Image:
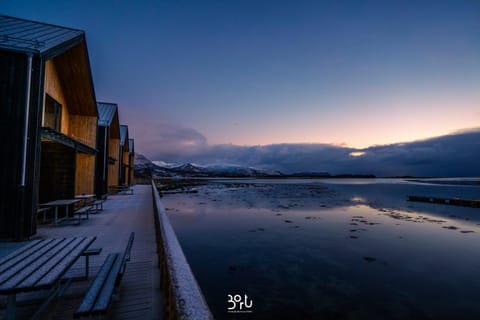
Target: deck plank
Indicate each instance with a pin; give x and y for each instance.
(121, 215)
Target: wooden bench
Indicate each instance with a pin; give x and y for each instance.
(83, 211)
(98, 296)
(90, 207)
(97, 205)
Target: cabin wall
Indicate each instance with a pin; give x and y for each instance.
(84, 129)
(101, 170)
(132, 171)
(53, 88)
(32, 197)
(113, 169)
(84, 173)
(61, 83)
(57, 173)
(73, 70)
(124, 169)
(18, 203)
(121, 177)
(125, 157)
(12, 106)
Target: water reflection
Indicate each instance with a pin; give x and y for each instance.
(310, 251)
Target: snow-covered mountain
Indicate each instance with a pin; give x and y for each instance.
(146, 168)
(143, 166)
(223, 170)
(164, 164)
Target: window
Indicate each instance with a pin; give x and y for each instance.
(53, 114)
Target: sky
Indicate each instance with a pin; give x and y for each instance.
(191, 75)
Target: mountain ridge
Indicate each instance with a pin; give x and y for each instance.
(143, 165)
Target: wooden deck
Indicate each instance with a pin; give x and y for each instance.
(139, 295)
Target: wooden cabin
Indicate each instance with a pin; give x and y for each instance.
(124, 152)
(48, 120)
(108, 144)
(131, 162)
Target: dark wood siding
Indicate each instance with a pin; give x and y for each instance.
(30, 192)
(130, 168)
(57, 173)
(17, 203)
(38, 74)
(12, 106)
(121, 167)
(101, 172)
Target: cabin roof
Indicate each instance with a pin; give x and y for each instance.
(34, 37)
(123, 134)
(108, 117)
(65, 47)
(106, 113)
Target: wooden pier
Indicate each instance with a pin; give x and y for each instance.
(139, 295)
(449, 201)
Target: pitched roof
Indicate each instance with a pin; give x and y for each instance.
(34, 37)
(123, 134)
(106, 113)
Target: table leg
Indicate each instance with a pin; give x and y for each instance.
(67, 213)
(11, 306)
(52, 294)
(56, 215)
(87, 260)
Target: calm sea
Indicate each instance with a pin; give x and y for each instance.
(336, 249)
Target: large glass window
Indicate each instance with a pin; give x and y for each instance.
(53, 114)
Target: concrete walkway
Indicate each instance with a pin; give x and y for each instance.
(139, 294)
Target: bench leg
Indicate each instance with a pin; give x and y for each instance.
(11, 306)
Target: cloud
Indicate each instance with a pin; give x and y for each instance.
(166, 141)
(450, 155)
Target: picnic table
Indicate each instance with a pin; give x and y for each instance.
(85, 197)
(58, 204)
(120, 189)
(39, 265)
(89, 200)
